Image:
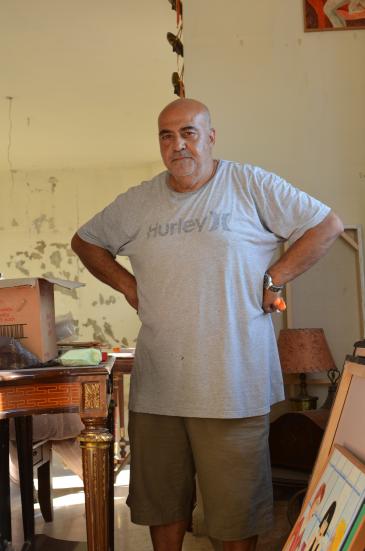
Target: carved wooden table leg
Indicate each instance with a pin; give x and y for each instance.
(95, 441)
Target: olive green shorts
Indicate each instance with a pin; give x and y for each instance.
(230, 458)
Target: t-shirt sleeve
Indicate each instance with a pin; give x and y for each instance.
(284, 209)
(114, 226)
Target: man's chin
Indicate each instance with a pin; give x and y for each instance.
(182, 173)
(182, 167)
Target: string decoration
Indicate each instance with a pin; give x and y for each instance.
(175, 40)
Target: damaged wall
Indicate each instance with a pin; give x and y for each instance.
(39, 213)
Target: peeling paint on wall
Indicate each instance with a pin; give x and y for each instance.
(110, 300)
(55, 259)
(98, 334)
(53, 181)
(20, 266)
(108, 330)
(41, 245)
(41, 220)
(32, 256)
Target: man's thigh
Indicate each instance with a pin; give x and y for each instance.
(233, 467)
(162, 482)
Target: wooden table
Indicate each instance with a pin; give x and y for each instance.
(26, 392)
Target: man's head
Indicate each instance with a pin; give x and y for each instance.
(186, 143)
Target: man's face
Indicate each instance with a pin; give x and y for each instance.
(186, 142)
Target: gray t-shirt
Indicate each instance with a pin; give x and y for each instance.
(205, 347)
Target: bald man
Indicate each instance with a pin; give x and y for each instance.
(201, 237)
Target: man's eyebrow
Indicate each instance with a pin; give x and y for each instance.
(188, 128)
(164, 131)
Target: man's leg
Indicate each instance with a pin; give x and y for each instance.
(234, 478)
(162, 478)
(248, 544)
(169, 537)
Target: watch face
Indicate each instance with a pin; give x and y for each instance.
(268, 284)
(267, 281)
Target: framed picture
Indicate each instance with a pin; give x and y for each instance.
(335, 508)
(345, 427)
(327, 15)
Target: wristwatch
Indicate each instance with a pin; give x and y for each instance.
(268, 284)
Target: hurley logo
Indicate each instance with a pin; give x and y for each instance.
(211, 222)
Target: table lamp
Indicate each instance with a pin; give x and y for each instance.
(304, 351)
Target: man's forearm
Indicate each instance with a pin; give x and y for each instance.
(104, 267)
(307, 250)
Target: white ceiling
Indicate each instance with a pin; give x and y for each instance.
(87, 78)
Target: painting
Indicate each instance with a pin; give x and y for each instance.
(327, 15)
(334, 512)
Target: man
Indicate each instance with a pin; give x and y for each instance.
(200, 238)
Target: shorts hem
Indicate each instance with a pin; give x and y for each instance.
(146, 519)
(244, 534)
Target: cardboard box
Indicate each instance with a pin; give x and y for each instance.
(27, 313)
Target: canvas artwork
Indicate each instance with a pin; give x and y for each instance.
(326, 15)
(336, 508)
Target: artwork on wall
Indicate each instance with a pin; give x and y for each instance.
(326, 15)
(335, 509)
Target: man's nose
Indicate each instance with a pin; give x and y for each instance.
(179, 143)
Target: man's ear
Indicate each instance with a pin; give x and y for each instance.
(212, 136)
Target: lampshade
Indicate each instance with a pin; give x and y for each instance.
(304, 351)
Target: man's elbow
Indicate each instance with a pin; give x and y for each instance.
(335, 224)
(77, 244)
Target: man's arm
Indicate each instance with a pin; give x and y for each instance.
(301, 255)
(101, 263)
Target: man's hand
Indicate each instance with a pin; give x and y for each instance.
(272, 302)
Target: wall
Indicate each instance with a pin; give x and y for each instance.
(39, 213)
(289, 101)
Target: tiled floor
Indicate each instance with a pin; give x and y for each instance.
(69, 518)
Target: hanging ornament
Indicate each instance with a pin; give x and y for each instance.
(178, 84)
(176, 44)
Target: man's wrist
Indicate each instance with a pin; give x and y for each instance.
(270, 285)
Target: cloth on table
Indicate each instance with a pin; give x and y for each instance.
(62, 430)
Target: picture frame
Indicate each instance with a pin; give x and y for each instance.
(329, 15)
(335, 509)
(345, 427)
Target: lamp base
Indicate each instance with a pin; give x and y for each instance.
(303, 403)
